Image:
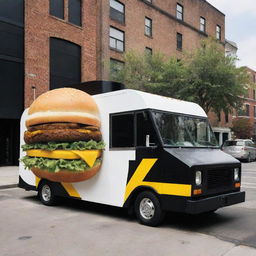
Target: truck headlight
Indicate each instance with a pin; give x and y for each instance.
(236, 174)
(198, 178)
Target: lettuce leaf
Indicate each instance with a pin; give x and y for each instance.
(54, 165)
(76, 145)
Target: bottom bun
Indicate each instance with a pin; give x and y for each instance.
(66, 176)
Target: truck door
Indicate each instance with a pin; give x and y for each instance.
(145, 133)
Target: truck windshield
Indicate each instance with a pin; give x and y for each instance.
(184, 131)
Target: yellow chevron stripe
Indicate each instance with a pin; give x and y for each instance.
(161, 188)
(169, 188)
(70, 189)
(37, 181)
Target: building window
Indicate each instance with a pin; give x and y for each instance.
(179, 12)
(226, 117)
(116, 39)
(247, 108)
(57, 8)
(74, 12)
(244, 111)
(115, 67)
(218, 32)
(122, 130)
(65, 63)
(254, 94)
(202, 24)
(117, 11)
(179, 41)
(254, 111)
(148, 26)
(148, 51)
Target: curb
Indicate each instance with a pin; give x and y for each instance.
(8, 186)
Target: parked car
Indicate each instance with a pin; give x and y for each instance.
(240, 149)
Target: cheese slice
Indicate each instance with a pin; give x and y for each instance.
(89, 156)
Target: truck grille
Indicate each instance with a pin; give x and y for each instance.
(219, 178)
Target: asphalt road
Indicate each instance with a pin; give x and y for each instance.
(77, 228)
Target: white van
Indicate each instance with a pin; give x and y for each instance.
(161, 155)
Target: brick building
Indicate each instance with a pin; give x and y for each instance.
(48, 44)
(248, 109)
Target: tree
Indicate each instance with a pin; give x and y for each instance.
(242, 128)
(151, 73)
(204, 76)
(213, 80)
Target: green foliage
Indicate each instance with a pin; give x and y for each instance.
(55, 165)
(242, 128)
(204, 76)
(154, 74)
(76, 145)
(213, 80)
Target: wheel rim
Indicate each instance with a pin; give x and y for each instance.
(46, 193)
(147, 208)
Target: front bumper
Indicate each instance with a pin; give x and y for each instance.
(213, 203)
(196, 206)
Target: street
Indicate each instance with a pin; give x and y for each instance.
(79, 228)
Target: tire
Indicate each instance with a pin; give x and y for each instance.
(148, 209)
(46, 194)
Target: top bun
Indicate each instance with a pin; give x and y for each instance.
(64, 105)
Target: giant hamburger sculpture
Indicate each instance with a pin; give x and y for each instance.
(63, 138)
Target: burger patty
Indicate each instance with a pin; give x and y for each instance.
(53, 126)
(61, 135)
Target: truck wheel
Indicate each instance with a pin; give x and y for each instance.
(148, 209)
(46, 194)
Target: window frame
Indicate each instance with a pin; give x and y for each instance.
(111, 130)
(113, 10)
(116, 61)
(134, 112)
(53, 41)
(202, 25)
(247, 110)
(178, 12)
(116, 40)
(149, 51)
(218, 32)
(63, 10)
(150, 28)
(68, 18)
(179, 42)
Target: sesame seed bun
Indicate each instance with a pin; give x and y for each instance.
(64, 105)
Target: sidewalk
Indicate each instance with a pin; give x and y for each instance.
(9, 176)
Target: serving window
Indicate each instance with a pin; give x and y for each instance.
(131, 129)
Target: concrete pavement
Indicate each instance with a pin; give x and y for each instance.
(9, 176)
(77, 228)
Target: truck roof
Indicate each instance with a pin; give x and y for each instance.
(128, 100)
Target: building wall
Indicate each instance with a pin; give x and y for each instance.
(250, 99)
(40, 26)
(165, 26)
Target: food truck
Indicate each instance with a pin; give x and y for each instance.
(160, 155)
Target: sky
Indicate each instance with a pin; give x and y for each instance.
(240, 27)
